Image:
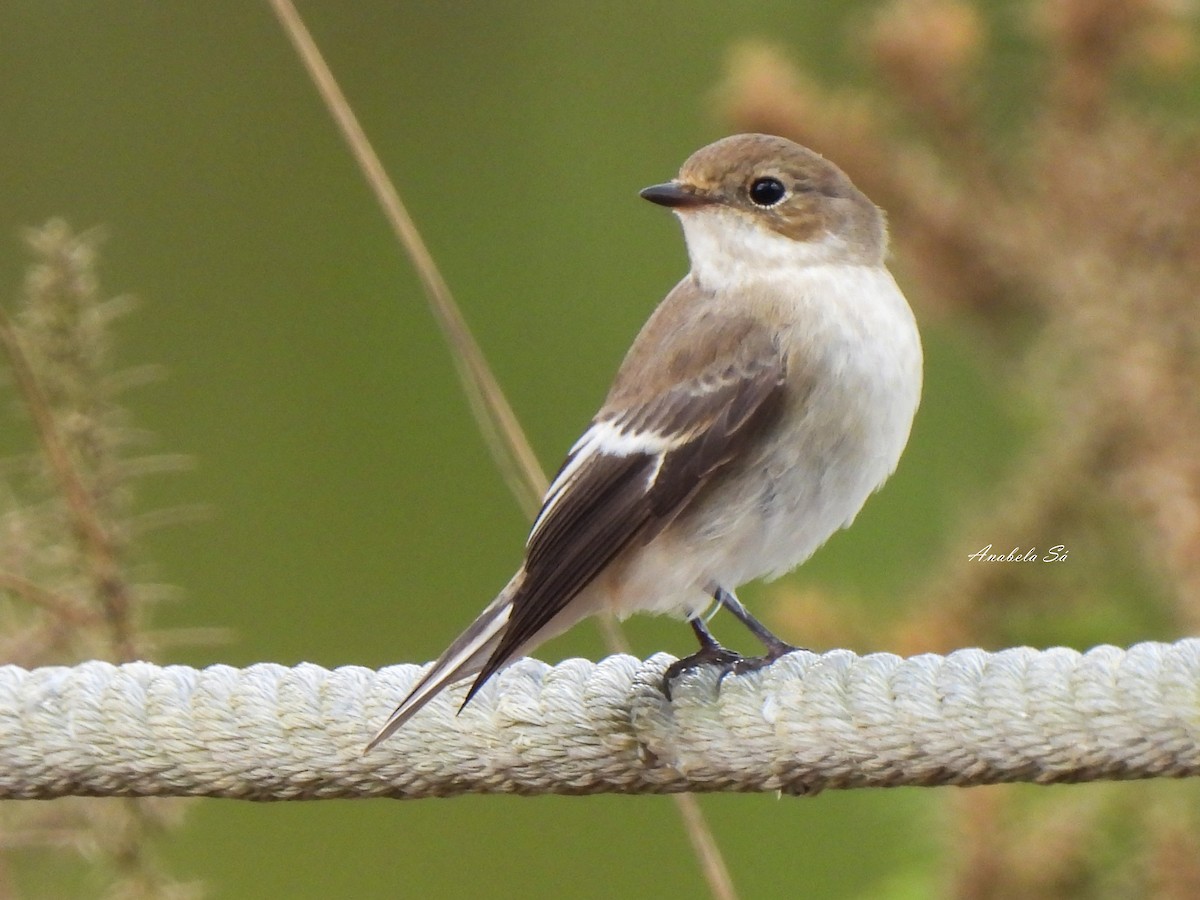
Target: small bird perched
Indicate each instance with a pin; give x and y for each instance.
(765, 399)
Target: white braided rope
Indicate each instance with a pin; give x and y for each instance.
(805, 724)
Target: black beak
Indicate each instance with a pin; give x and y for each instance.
(674, 195)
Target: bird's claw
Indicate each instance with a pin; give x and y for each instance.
(709, 655)
(726, 660)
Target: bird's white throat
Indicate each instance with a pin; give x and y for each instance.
(728, 248)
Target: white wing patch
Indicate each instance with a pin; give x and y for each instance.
(603, 438)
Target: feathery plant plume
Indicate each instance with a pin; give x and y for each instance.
(1068, 241)
(66, 528)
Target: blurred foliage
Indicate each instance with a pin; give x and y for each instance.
(1069, 244)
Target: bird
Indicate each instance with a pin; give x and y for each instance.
(765, 399)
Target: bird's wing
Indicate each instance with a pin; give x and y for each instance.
(636, 468)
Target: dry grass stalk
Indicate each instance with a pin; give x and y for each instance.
(510, 448)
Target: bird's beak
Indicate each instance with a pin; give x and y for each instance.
(675, 195)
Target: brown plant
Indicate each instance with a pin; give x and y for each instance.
(66, 520)
(1067, 239)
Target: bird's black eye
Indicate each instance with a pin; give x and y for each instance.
(767, 191)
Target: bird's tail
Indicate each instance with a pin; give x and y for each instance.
(462, 659)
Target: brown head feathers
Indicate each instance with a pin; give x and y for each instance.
(783, 186)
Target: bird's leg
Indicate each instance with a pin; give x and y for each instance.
(776, 647)
(710, 653)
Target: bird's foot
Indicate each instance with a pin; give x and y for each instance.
(727, 661)
(775, 650)
(713, 654)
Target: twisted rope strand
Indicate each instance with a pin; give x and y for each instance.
(808, 723)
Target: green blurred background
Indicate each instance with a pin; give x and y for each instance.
(354, 516)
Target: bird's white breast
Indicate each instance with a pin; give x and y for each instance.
(854, 337)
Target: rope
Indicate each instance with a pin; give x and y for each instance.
(807, 723)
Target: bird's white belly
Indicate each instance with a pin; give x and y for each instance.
(841, 442)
